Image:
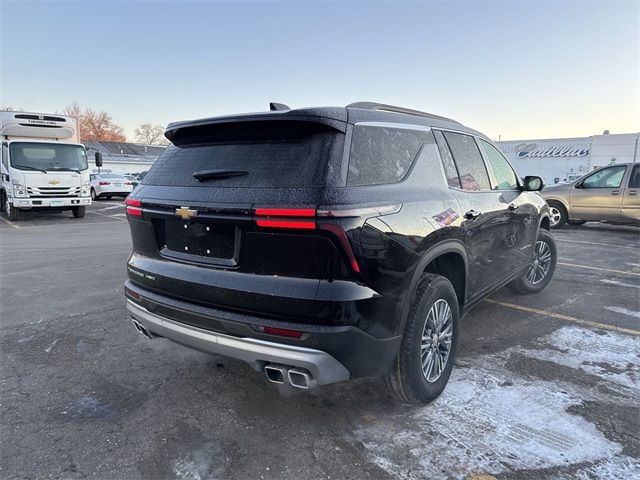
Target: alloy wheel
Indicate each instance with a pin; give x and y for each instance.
(436, 340)
(554, 216)
(539, 264)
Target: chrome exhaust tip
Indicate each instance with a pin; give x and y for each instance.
(141, 329)
(301, 378)
(276, 373)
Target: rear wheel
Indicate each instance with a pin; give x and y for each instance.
(557, 215)
(94, 197)
(423, 365)
(78, 212)
(541, 268)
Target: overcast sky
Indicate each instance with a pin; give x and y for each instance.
(510, 69)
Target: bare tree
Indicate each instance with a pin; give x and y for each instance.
(95, 126)
(150, 134)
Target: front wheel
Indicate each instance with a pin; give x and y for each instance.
(13, 213)
(78, 212)
(541, 268)
(423, 365)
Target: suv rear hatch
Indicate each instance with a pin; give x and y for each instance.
(226, 218)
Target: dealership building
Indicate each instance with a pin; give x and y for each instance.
(565, 159)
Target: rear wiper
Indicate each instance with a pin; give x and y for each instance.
(218, 173)
(29, 167)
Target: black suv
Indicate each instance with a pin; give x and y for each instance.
(325, 244)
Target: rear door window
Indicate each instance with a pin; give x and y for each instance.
(382, 155)
(272, 154)
(505, 177)
(471, 167)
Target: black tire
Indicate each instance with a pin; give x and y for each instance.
(94, 197)
(557, 215)
(523, 284)
(78, 212)
(406, 380)
(13, 213)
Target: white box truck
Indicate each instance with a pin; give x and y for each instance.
(43, 164)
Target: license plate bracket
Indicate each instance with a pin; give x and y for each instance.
(56, 203)
(199, 241)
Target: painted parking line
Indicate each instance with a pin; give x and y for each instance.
(622, 272)
(11, 224)
(112, 217)
(594, 243)
(567, 318)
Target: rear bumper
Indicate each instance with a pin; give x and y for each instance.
(322, 366)
(329, 353)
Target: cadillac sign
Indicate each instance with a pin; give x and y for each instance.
(531, 150)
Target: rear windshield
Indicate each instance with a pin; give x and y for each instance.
(273, 154)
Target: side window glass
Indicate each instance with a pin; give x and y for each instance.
(505, 177)
(473, 173)
(610, 177)
(382, 155)
(634, 180)
(450, 171)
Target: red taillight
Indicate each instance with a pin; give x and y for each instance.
(286, 212)
(344, 243)
(283, 332)
(128, 183)
(309, 224)
(104, 183)
(134, 207)
(306, 224)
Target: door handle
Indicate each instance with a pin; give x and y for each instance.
(632, 192)
(615, 192)
(472, 215)
(513, 207)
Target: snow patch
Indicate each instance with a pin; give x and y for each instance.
(492, 420)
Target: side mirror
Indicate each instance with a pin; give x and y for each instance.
(533, 183)
(98, 159)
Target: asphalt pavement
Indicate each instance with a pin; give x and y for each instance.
(545, 386)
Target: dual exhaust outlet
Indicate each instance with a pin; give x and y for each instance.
(294, 376)
(142, 329)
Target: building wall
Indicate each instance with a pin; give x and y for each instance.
(119, 167)
(555, 160)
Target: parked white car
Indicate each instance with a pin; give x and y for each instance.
(107, 185)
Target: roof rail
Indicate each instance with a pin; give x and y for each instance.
(392, 108)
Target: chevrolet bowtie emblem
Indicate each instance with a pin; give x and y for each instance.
(186, 213)
(55, 181)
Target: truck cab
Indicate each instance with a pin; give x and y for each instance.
(44, 167)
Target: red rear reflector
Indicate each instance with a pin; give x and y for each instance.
(286, 223)
(104, 183)
(132, 294)
(136, 212)
(286, 212)
(283, 332)
(133, 202)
